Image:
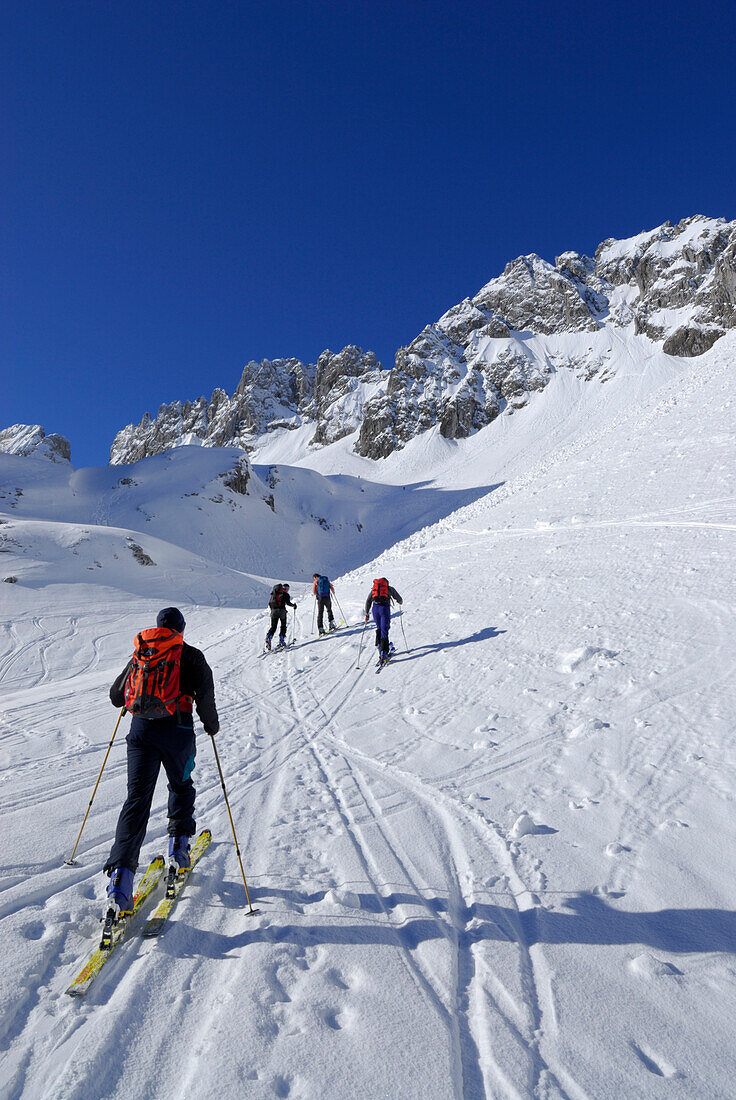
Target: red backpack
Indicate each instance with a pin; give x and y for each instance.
(152, 688)
(380, 589)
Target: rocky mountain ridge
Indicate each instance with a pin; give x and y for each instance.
(272, 394)
(674, 285)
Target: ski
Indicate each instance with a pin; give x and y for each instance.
(117, 932)
(275, 649)
(331, 630)
(175, 882)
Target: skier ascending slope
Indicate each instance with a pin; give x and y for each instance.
(380, 597)
(322, 589)
(278, 602)
(159, 684)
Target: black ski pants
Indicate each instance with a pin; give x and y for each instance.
(151, 744)
(278, 615)
(324, 603)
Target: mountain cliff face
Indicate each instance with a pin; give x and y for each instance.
(272, 394)
(674, 285)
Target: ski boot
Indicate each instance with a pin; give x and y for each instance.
(332, 625)
(179, 850)
(179, 861)
(268, 643)
(282, 641)
(119, 903)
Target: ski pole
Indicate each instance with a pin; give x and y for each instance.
(401, 620)
(71, 862)
(314, 609)
(341, 611)
(251, 910)
(360, 648)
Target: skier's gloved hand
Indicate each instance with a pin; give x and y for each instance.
(366, 618)
(295, 606)
(212, 733)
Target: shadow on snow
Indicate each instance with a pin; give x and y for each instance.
(588, 919)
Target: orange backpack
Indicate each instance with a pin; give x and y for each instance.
(380, 589)
(152, 688)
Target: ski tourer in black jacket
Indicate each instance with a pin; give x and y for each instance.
(195, 679)
(152, 742)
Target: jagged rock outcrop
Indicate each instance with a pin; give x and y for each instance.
(685, 269)
(674, 285)
(238, 477)
(337, 382)
(30, 440)
(533, 295)
(272, 394)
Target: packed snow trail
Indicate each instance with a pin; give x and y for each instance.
(503, 868)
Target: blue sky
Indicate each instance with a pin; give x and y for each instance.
(188, 185)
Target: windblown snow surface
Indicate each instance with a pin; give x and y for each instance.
(504, 867)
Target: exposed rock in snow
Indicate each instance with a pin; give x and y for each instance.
(30, 440)
(238, 477)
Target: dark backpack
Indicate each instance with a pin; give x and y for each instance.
(323, 586)
(152, 687)
(380, 589)
(278, 596)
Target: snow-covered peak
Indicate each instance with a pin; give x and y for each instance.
(30, 440)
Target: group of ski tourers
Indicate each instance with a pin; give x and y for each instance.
(322, 590)
(160, 686)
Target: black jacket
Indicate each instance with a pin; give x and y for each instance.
(195, 679)
(392, 595)
(283, 599)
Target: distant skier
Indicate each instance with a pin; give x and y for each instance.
(380, 597)
(323, 589)
(278, 602)
(159, 684)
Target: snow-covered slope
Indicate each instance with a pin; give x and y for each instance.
(202, 523)
(504, 867)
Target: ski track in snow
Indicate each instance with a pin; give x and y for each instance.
(481, 874)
